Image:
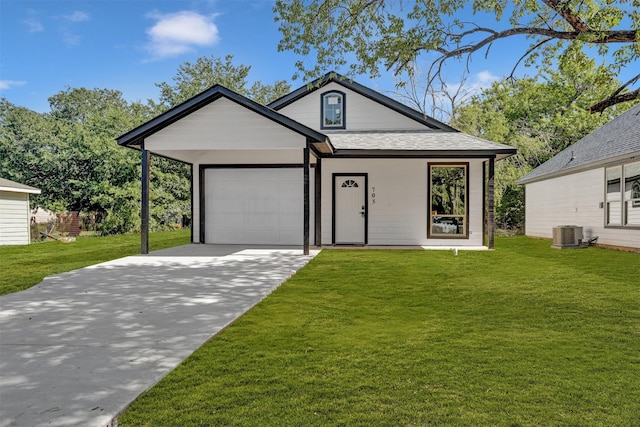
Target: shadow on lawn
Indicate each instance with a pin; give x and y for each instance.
(80, 346)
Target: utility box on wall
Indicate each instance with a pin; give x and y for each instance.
(567, 236)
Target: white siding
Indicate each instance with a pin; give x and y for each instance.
(221, 125)
(573, 200)
(399, 214)
(14, 218)
(361, 113)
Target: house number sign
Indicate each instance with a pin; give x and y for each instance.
(373, 195)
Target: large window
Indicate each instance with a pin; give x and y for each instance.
(623, 195)
(333, 104)
(448, 200)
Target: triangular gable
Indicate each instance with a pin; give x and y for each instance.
(371, 94)
(137, 135)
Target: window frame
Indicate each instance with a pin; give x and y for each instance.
(626, 202)
(343, 97)
(430, 211)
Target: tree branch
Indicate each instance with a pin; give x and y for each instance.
(613, 100)
(617, 97)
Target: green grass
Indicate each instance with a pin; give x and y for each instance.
(24, 266)
(525, 335)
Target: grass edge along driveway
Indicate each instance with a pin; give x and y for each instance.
(23, 266)
(524, 335)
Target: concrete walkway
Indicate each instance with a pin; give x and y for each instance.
(80, 346)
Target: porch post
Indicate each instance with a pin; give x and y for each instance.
(318, 202)
(305, 154)
(144, 214)
(491, 219)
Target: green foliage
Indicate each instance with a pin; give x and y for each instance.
(191, 79)
(540, 117)
(70, 152)
(404, 338)
(372, 35)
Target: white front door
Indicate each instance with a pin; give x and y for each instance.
(350, 209)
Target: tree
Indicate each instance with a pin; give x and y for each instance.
(191, 79)
(394, 35)
(539, 117)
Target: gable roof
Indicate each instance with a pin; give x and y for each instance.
(135, 136)
(15, 187)
(431, 143)
(617, 139)
(333, 77)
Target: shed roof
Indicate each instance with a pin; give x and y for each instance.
(617, 139)
(16, 187)
(440, 143)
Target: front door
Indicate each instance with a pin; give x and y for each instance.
(350, 209)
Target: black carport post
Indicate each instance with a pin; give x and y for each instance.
(491, 217)
(305, 154)
(144, 213)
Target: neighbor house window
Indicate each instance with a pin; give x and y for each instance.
(333, 104)
(448, 201)
(623, 195)
(632, 194)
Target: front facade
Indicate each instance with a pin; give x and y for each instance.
(332, 163)
(15, 213)
(594, 184)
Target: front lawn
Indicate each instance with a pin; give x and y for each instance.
(26, 265)
(525, 335)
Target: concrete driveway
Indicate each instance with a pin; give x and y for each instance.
(80, 346)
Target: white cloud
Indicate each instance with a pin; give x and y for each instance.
(33, 25)
(8, 84)
(180, 32)
(77, 16)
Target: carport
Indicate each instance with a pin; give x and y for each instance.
(251, 169)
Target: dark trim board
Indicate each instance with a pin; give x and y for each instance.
(333, 204)
(466, 201)
(205, 98)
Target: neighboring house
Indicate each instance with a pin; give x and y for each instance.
(15, 228)
(333, 162)
(594, 184)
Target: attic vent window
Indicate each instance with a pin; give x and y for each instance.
(333, 114)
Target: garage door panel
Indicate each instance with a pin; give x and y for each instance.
(255, 206)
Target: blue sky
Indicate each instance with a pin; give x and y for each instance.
(129, 45)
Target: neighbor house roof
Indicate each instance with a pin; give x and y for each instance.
(432, 143)
(333, 77)
(15, 187)
(135, 136)
(619, 138)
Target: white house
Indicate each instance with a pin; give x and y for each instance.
(333, 163)
(594, 184)
(15, 213)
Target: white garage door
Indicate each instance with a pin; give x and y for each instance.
(256, 206)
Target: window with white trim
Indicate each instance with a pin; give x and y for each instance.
(448, 201)
(333, 114)
(623, 195)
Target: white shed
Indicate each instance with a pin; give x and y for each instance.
(14, 212)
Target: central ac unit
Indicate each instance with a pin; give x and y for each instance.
(567, 236)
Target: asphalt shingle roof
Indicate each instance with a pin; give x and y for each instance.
(415, 141)
(9, 185)
(619, 137)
